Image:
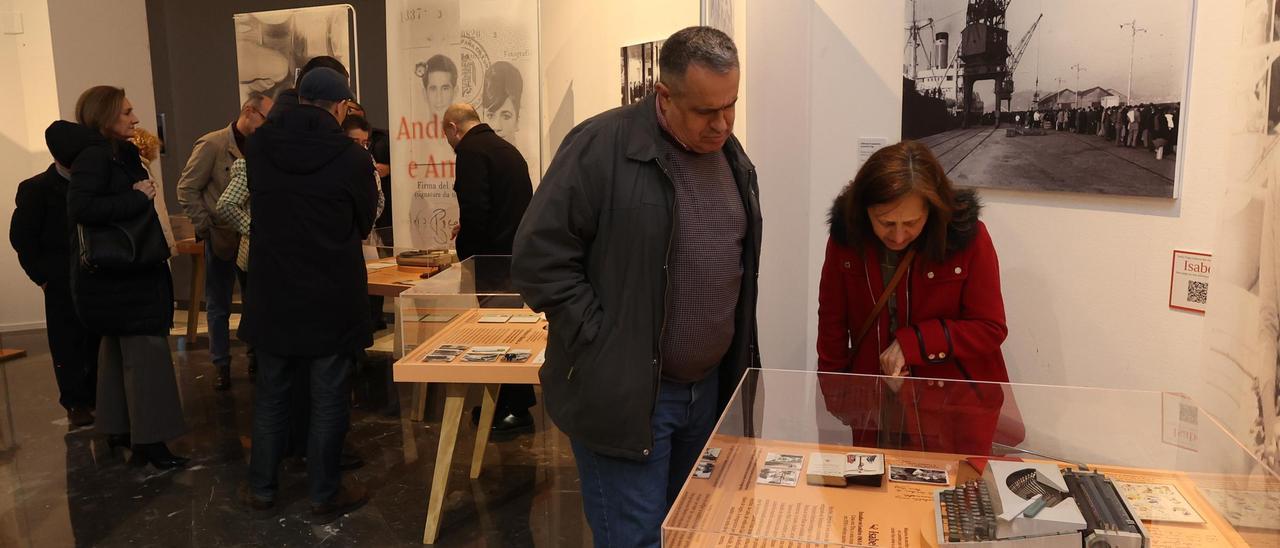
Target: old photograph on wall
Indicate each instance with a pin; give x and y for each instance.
(273, 46)
(718, 14)
(639, 70)
(1242, 320)
(1084, 96)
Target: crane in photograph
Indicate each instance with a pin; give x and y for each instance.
(985, 50)
(1004, 91)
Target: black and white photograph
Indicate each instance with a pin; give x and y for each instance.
(639, 70)
(704, 469)
(779, 460)
(785, 477)
(1084, 97)
(913, 474)
(272, 46)
(718, 14)
(711, 453)
(517, 355)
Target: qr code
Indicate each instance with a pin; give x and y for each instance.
(1197, 292)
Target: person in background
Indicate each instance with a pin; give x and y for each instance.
(39, 234)
(380, 147)
(203, 180)
(493, 190)
(944, 317)
(149, 146)
(137, 398)
(359, 130)
(642, 245)
(314, 197)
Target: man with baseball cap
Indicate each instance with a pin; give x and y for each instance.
(314, 199)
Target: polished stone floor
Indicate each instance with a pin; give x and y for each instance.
(61, 486)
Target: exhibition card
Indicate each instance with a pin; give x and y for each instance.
(1158, 502)
(495, 318)
(784, 477)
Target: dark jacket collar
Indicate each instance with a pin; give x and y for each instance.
(477, 130)
(645, 133)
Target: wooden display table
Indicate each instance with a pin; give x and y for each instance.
(462, 327)
(731, 509)
(387, 279)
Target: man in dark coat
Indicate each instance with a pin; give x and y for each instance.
(314, 200)
(39, 233)
(493, 191)
(642, 245)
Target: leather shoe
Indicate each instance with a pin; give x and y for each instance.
(349, 461)
(157, 455)
(79, 416)
(348, 499)
(222, 381)
(514, 422)
(257, 507)
(119, 441)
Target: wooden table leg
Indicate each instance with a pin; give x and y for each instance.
(488, 402)
(455, 396)
(419, 402)
(196, 296)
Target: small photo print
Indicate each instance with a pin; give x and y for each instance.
(480, 358)
(703, 469)
(439, 357)
(780, 460)
(913, 474)
(517, 355)
(541, 358)
(495, 318)
(454, 348)
(785, 477)
(712, 453)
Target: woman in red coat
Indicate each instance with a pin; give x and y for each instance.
(943, 320)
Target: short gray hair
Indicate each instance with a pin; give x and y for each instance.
(705, 46)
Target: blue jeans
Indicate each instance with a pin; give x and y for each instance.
(330, 417)
(626, 500)
(219, 283)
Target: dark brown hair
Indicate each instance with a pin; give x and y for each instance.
(894, 172)
(99, 107)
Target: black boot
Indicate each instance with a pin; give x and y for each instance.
(222, 380)
(157, 455)
(118, 441)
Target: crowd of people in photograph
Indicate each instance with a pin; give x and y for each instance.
(1151, 126)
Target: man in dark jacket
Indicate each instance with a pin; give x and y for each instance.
(642, 246)
(314, 199)
(493, 191)
(39, 233)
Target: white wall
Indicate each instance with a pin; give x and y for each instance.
(580, 55)
(67, 46)
(1085, 278)
(30, 104)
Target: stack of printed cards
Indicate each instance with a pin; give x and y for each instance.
(446, 353)
(484, 354)
(707, 464)
(781, 469)
(919, 474)
(844, 469)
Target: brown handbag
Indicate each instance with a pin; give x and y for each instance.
(898, 274)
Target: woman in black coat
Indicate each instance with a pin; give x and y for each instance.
(133, 311)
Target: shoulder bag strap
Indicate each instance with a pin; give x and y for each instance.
(898, 274)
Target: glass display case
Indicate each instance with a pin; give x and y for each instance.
(827, 459)
(467, 324)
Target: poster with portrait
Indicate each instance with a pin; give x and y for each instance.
(273, 46)
(440, 52)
